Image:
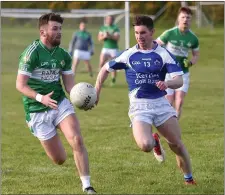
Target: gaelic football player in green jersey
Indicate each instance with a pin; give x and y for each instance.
(109, 34)
(46, 106)
(179, 40)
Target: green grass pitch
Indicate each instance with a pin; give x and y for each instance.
(117, 165)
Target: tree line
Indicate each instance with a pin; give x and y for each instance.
(213, 12)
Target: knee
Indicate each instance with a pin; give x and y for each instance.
(179, 146)
(77, 143)
(146, 146)
(60, 160)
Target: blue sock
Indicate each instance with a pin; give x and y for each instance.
(188, 177)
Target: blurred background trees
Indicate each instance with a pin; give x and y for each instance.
(213, 12)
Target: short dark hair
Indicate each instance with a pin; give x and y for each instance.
(143, 20)
(186, 10)
(44, 19)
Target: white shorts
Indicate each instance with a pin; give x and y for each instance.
(82, 55)
(43, 124)
(184, 88)
(152, 111)
(111, 52)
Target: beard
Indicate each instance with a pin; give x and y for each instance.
(53, 41)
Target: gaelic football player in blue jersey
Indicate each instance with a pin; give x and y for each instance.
(146, 65)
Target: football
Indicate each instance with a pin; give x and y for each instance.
(83, 95)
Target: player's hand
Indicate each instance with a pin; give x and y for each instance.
(187, 63)
(105, 35)
(162, 85)
(47, 101)
(92, 53)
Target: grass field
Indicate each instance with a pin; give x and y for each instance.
(117, 165)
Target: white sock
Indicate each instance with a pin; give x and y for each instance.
(85, 181)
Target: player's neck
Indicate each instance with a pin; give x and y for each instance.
(183, 29)
(149, 46)
(46, 43)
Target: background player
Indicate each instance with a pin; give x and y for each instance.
(109, 34)
(82, 48)
(179, 40)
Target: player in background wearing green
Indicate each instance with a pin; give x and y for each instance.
(81, 48)
(109, 34)
(46, 106)
(179, 40)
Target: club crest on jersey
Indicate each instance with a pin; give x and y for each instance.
(62, 63)
(157, 62)
(189, 44)
(53, 63)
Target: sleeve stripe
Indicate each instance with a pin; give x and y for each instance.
(196, 49)
(24, 73)
(108, 68)
(67, 72)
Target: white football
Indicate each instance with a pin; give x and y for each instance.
(83, 96)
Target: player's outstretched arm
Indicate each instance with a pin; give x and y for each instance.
(68, 81)
(174, 83)
(102, 76)
(21, 86)
(195, 56)
(160, 42)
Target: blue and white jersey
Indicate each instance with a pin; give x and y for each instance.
(143, 68)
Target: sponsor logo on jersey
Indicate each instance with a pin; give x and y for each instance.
(173, 41)
(135, 63)
(44, 64)
(50, 75)
(148, 59)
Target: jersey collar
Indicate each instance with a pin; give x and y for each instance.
(149, 50)
(182, 33)
(51, 51)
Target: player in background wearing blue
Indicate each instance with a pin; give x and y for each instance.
(146, 65)
(179, 41)
(82, 48)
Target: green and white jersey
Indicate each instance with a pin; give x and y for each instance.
(179, 44)
(44, 68)
(109, 43)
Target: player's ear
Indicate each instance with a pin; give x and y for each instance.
(152, 31)
(43, 31)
